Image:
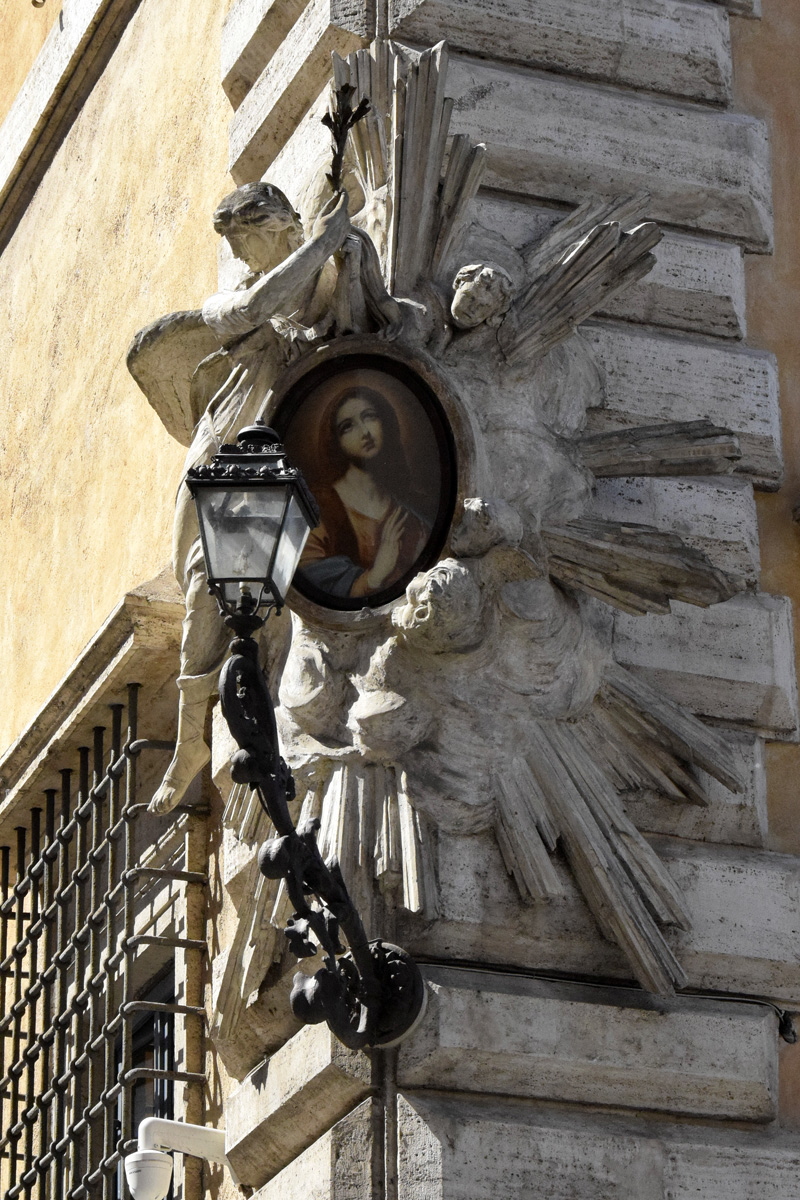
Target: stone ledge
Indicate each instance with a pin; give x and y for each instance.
(672, 46)
(340, 1165)
(288, 1102)
(558, 139)
(653, 378)
(456, 1149)
(696, 285)
(745, 908)
(732, 662)
(252, 32)
(744, 905)
(71, 60)
(493, 1033)
(139, 640)
(289, 84)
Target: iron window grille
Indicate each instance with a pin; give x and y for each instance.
(69, 1074)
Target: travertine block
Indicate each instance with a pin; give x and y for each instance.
(561, 140)
(743, 8)
(652, 379)
(253, 31)
(661, 45)
(290, 1101)
(696, 284)
(455, 1149)
(733, 661)
(744, 905)
(339, 1165)
(716, 515)
(288, 85)
(512, 1036)
(745, 908)
(739, 819)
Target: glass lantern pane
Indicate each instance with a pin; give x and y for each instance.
(293, 539)
(241, 529)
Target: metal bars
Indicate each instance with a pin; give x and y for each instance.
(68, 947)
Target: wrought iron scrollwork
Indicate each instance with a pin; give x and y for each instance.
(369, 993)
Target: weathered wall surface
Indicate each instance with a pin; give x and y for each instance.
(118, 233)
(767, 83)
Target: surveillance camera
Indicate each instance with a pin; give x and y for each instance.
(149, 1174)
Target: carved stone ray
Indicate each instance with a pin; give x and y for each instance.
(676, 448)
(586, 275)
(634, 567)
(632, 760)
(368, 824)
(664, 721)
(627, 888)
(402, 145)
(526, 832)
(542, 254)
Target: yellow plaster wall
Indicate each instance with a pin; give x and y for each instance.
(23, 30)
(117, 234)
(767, 82)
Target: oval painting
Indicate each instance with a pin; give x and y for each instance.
(375, 448)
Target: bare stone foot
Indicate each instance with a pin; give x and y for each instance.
(188, 762)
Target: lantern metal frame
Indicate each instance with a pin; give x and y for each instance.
(256, 462)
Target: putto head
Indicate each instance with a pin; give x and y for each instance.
(482, 293)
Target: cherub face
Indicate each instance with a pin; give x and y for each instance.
(443, 608)
(482, 292)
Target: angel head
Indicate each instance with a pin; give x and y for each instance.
(443, 609)
(260, 225)
(483, 293)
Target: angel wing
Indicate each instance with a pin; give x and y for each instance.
(163, 358)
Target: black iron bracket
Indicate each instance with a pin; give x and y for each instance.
(370, 993)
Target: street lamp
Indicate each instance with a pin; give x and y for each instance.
(255, 512)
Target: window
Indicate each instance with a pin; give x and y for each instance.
(88, 915)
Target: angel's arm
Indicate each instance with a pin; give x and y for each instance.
(234, 313)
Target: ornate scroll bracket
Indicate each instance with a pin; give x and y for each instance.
(370, 994)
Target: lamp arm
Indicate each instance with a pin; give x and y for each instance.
(369, 993)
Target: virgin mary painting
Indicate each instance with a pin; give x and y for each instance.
(354, 438)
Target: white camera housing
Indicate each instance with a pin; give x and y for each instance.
(149, 1174)
(149, 1169)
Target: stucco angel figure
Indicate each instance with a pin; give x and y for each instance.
(286, 280)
